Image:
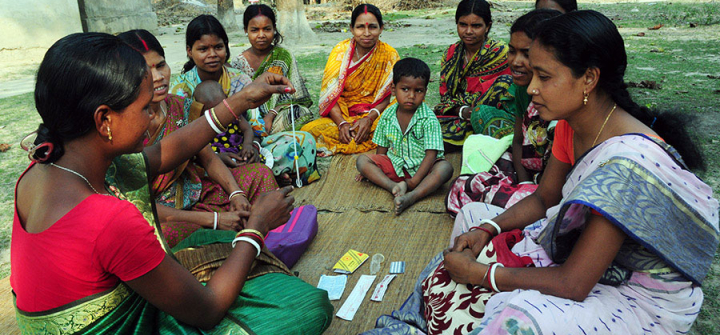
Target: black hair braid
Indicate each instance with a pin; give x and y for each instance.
(670, 125)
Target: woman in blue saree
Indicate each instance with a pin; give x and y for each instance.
(619, 235)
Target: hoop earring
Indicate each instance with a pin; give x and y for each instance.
(585, 97)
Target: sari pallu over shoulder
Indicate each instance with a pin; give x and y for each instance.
(282, 62)
(292, 109)
(642, 186)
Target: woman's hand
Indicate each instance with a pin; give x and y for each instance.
(249, 154)
(234, 220)
(271, 210)
(345, 135)
(269, 117)
(230, 159)
(263, 87)
(240, 203)
(463, 268)
(474, 241)
(361, 129)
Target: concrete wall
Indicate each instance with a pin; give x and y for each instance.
(113, 16)
(36, 23)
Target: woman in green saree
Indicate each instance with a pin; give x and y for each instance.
(265, 55)
(87, 253)
(278, 121)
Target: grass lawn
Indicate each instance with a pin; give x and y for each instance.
(683, 57)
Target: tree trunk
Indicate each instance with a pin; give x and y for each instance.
(226, 15)
(292, 23)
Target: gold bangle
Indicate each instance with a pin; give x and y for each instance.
(252, 231)
(217, 121)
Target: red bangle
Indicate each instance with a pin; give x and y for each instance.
(253, 236)
(483, 229)
(230, 109)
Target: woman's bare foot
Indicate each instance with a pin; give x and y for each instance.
(360, 177)
(399, 189)
(403, 202)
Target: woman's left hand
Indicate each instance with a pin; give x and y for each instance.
(462, 267)
(361, 129)
(240, 203)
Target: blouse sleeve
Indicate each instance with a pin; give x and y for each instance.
(562, 144)
(127, 247)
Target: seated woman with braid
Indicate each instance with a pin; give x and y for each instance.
(87, 253)
(620, 233)
(202, 192)
(355, 87)
(473, 72)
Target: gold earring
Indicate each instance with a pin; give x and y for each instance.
(109, 133)
(585, 97)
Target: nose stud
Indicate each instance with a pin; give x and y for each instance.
(534, 91)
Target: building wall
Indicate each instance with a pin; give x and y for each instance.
(36, 23)
(113, 16)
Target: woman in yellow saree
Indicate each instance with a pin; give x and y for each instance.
(355, 87)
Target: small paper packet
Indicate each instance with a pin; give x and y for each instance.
(397, 267)
(350, 262)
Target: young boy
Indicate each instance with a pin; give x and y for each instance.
(409, 161)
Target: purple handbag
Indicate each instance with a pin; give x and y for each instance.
(289, 241)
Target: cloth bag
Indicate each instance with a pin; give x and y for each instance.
(289, 241)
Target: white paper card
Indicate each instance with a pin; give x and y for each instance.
(353, 301)
(380, 289)
(334, 285)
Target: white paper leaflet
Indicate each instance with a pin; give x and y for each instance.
(353, 301)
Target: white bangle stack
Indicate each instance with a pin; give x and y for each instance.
(215, 221)
(212, 123)
(493, 285)
(492, 223)
(234, 193)
(248, 240)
